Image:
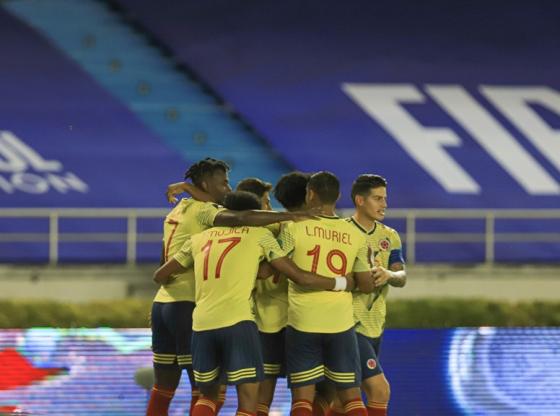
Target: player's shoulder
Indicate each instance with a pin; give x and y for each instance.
(385, 229)
(201, 205)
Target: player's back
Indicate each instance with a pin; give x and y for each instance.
(330, 247)
(187, 218)
(226, 261)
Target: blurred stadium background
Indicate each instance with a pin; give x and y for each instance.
(457, 104)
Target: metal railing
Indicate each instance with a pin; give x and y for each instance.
(411, 237)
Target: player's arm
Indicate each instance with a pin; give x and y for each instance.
(182, 260)
(213, 215)
(276, 254)
(178, 188)
(394, 276)
(265, 270)
(311, 280)
(256, 218)
(168, 269)
(362, 272)
(162, 255)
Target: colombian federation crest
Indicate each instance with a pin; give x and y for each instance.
(384, 244)
(371, 363)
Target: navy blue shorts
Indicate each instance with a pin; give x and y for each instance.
(171, 334)
(274, 355)
(369, 358)
(230, 355)
(312, 357)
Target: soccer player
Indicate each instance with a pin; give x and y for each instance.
(369, 195)
(271, 297)
(258, 187)
(320, 338)
(225, 339)
(254, 185)
(171, 316)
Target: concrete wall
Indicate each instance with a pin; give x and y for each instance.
(85, 283)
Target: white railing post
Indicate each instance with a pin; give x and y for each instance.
(489, 239)
(131, 238)
(53, 238)
(410, 238)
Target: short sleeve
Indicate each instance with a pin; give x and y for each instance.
(286, 238)
(271, 247)
(207, 214)
(396, 255)
(184, 256)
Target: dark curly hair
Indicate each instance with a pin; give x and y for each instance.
(201, 169)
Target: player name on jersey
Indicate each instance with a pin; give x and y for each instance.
(228, 231)
(326, 234)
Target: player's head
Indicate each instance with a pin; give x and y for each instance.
(291, 189)
(241, 201)
(211, 176)
(323, 188)
(259, 188)
(369, 195)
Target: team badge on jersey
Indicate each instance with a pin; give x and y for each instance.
(371, 363)
(384, 244)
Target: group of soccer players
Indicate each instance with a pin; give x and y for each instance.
(249, 295)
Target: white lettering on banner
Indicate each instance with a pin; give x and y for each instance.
(514, 103)
(17, 158)
(495, 139)
(425, 145)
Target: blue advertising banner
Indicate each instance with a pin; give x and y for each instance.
(464, 371)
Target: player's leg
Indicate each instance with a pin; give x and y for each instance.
(166, 369)
(206, 369)
(374, 384)
(273, 350)
(342, 367)
(181, 319)
(247, 398)
(304, 358)
(325, 395)
(243, 363)
(266, 395)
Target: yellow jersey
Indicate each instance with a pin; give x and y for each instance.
(271, 298)
(226, 261)
(187, 218)
(330, 247)
(385, 248)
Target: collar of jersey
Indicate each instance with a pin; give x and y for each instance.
(357, 224)
(329, 217)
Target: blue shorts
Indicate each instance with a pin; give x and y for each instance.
(369, 358)
(171, 334)
(312, 357)
(230, 355)
(274, 356)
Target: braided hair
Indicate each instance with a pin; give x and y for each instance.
(203, 168)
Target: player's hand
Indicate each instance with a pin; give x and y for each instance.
(310, 214)
(164, 280)
(380, 276)
(173, 190)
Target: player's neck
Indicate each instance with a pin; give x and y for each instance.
(328, 210)
(365, 222)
